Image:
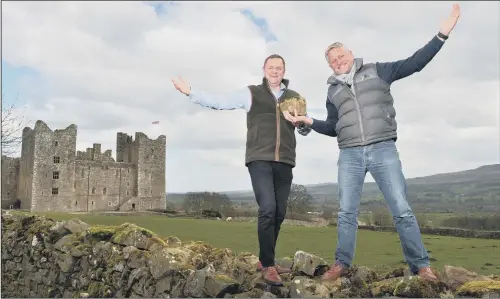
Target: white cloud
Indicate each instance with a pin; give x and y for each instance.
(107, 67)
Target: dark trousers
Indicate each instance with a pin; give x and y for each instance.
(271, 182)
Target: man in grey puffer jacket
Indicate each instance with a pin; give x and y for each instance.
(362, 117)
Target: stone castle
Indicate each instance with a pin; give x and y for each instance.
(52, 176)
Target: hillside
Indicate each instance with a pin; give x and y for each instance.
(468, 190)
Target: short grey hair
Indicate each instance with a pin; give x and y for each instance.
(335, 45)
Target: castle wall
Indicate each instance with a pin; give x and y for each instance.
(53, 169)
(10, 177)
(53, 176)
(103, 185)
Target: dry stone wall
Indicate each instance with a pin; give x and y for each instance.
(44, 258)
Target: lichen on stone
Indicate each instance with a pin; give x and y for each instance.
(479, 288)
(101, 232)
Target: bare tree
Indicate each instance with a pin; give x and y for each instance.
(13, 123)
(299, 200)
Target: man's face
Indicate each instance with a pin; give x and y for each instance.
(340, 60)
(274, 70)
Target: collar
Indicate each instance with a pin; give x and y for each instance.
(283, 85)
(358, 62)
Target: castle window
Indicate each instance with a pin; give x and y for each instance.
(128, 170)
(55, 175)
(56, 159)
(55, 191)
(56, 143)
(83, 172)
(76, 203)
(92, 203)
(93, 190)
(104, 190)
(109, 203)
(128, 183)
(127, 193)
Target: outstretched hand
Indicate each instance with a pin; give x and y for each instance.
(181, 85)
(448, 24)
(297, 119)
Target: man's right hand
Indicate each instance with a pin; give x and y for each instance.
(181, 86)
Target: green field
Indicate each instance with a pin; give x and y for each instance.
(374, 249)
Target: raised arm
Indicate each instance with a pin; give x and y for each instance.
(239, 99)
(392, 71)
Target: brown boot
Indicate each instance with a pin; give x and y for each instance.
(427, 274)
(333, 274)
(271, 276)
(279, 269)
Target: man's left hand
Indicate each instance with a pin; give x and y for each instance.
(448, 25)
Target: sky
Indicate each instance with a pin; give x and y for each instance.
(106, 67)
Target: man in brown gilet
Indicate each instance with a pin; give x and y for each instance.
(270, 151)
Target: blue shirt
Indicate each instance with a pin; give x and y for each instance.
(239, 99)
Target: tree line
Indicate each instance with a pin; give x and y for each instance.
(299, 203)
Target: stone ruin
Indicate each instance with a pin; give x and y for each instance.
(44, 258)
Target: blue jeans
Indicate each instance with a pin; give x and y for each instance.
(382, 161)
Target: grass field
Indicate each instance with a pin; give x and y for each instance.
(374, 249)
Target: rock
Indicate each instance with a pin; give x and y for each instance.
(305, 287)
(255, 293)
(267, 295)
(75, 226)
(222, 259)
(66, 262)
(173, 241)
(455, 277)
(397, 272)
(195, 285)
(168, 260)
(136, 259)
(283, 262)
(129, 234)
(66, 243)
(414, 287)
(480, 289)
(219, 284)
(385, 287)
(127, 251)
(307, 263)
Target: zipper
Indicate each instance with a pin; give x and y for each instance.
(278, 126)
(358, 110)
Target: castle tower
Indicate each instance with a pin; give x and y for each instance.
(51, 154)
(123, 147)
(149, 156)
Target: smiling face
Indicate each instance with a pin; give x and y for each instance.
(340, 59)
(274, 70)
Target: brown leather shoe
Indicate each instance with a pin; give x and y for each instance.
(333, 274)
(427, 274)
(271, 276)
(279, 269)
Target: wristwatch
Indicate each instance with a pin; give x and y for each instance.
(440, 35)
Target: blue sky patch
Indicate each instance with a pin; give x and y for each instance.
(262, 24)
(12, 77)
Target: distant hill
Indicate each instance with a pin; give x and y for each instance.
(468, 190)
